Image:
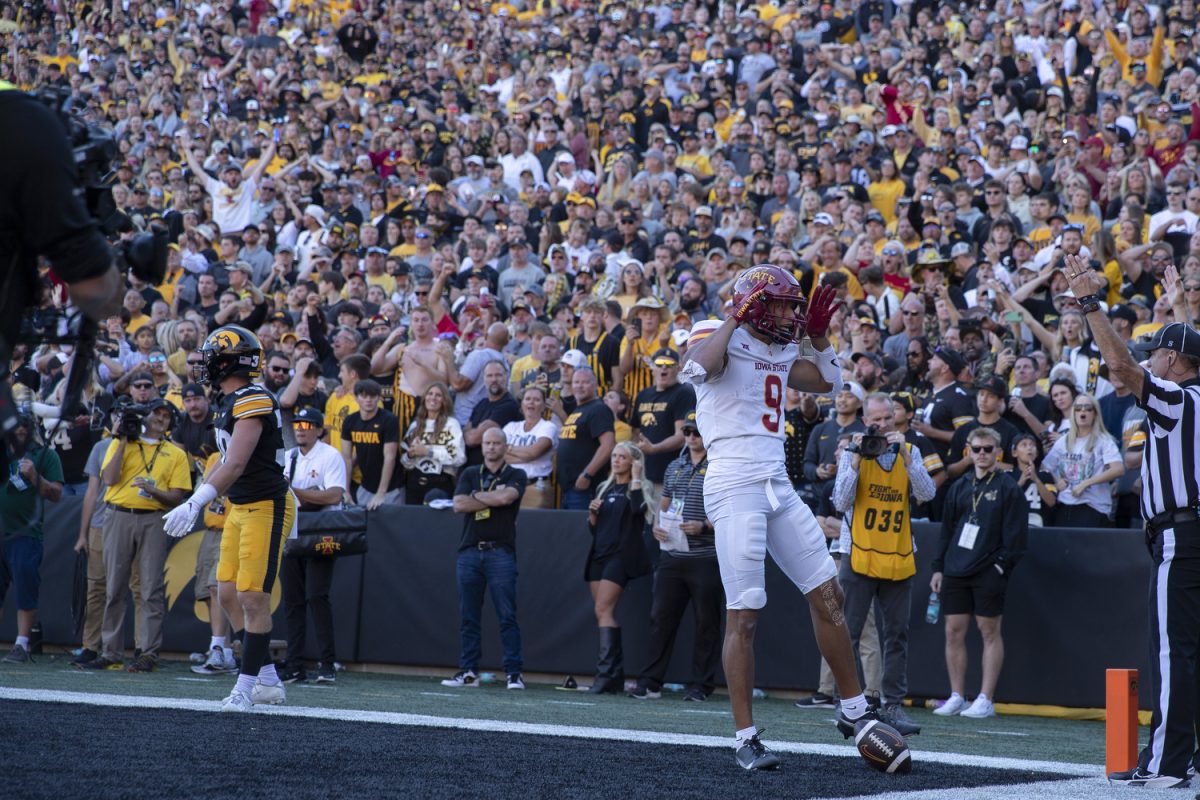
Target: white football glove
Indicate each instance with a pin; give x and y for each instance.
(179, 521)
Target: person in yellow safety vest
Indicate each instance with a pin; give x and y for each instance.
(872, 490)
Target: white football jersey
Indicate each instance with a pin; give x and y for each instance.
(740, 411)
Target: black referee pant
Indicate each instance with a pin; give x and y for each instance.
(1174, 640)
(678, 581)
(306, 583)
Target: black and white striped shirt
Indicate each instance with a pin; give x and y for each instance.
(1171, 464)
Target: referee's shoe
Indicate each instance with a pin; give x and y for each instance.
(1150, 780)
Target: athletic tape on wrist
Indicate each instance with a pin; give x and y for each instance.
(828, 365)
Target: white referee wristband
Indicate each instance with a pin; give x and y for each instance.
(828, 365)
(204, 495)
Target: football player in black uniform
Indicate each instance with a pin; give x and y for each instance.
(261, 509)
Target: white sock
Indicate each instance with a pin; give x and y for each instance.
(245, 684)
(22, 641)
(267, 675)
(744, 735)
(954, 695)
(981, 696)
(217, 641)
(854, 707)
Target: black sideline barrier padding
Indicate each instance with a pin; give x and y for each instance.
(1076, 606)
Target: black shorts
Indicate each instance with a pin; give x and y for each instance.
(606, 569)
(981, 594)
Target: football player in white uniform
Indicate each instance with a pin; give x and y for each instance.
(741, 368)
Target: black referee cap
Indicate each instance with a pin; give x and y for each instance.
(1177, 336)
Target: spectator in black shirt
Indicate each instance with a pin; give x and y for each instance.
(985, 525)
(489, 498)
(616, 517)
(950, 406)
(584, 443)
(990, 396)
(800, 416)
(194, 431)
(371, 442)
(658, 415)
(495, 410)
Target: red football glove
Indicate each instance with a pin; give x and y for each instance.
(820, 311)
(751, 308)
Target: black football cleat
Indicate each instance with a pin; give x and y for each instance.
(753, 755)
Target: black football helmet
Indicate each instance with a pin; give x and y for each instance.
(231, 350)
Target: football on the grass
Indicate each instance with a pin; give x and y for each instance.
(882, 747)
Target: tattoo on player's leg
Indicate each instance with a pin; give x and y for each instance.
(829, 595)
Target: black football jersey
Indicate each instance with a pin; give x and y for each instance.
(263, 477)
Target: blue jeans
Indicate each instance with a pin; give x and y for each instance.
(496, 571)
(575, 499)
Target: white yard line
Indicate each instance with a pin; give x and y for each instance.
(539, 729)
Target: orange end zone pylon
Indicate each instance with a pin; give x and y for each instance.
(1121, 719)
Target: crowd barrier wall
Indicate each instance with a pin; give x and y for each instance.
(1076, 606)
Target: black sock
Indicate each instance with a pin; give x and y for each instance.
(255, 647)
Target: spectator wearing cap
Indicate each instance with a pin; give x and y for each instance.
(686, 574)
(318, 477)
(36, 478)
(950, 405)
(194, 430)
(648, 331)
(232, 192)
(255, 254)
(703, 238)
(820, 460)
(659, 412)
(869, 369)
(991, 394)
(520, 273)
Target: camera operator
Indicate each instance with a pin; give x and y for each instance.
(41, 215)
(35, 477)
(317, 474)
(876, 475)
(145, 474)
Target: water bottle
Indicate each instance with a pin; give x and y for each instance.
(35, 639)
(934, 609)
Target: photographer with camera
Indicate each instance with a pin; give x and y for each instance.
(876, 476)
(35, 477)
(146, 474)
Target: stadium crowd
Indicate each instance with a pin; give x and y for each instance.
(467, 217)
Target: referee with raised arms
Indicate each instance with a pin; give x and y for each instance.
(1169, 392)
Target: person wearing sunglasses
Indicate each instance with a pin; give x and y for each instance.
(985, 525)
(317, 475)
(1084, 464)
